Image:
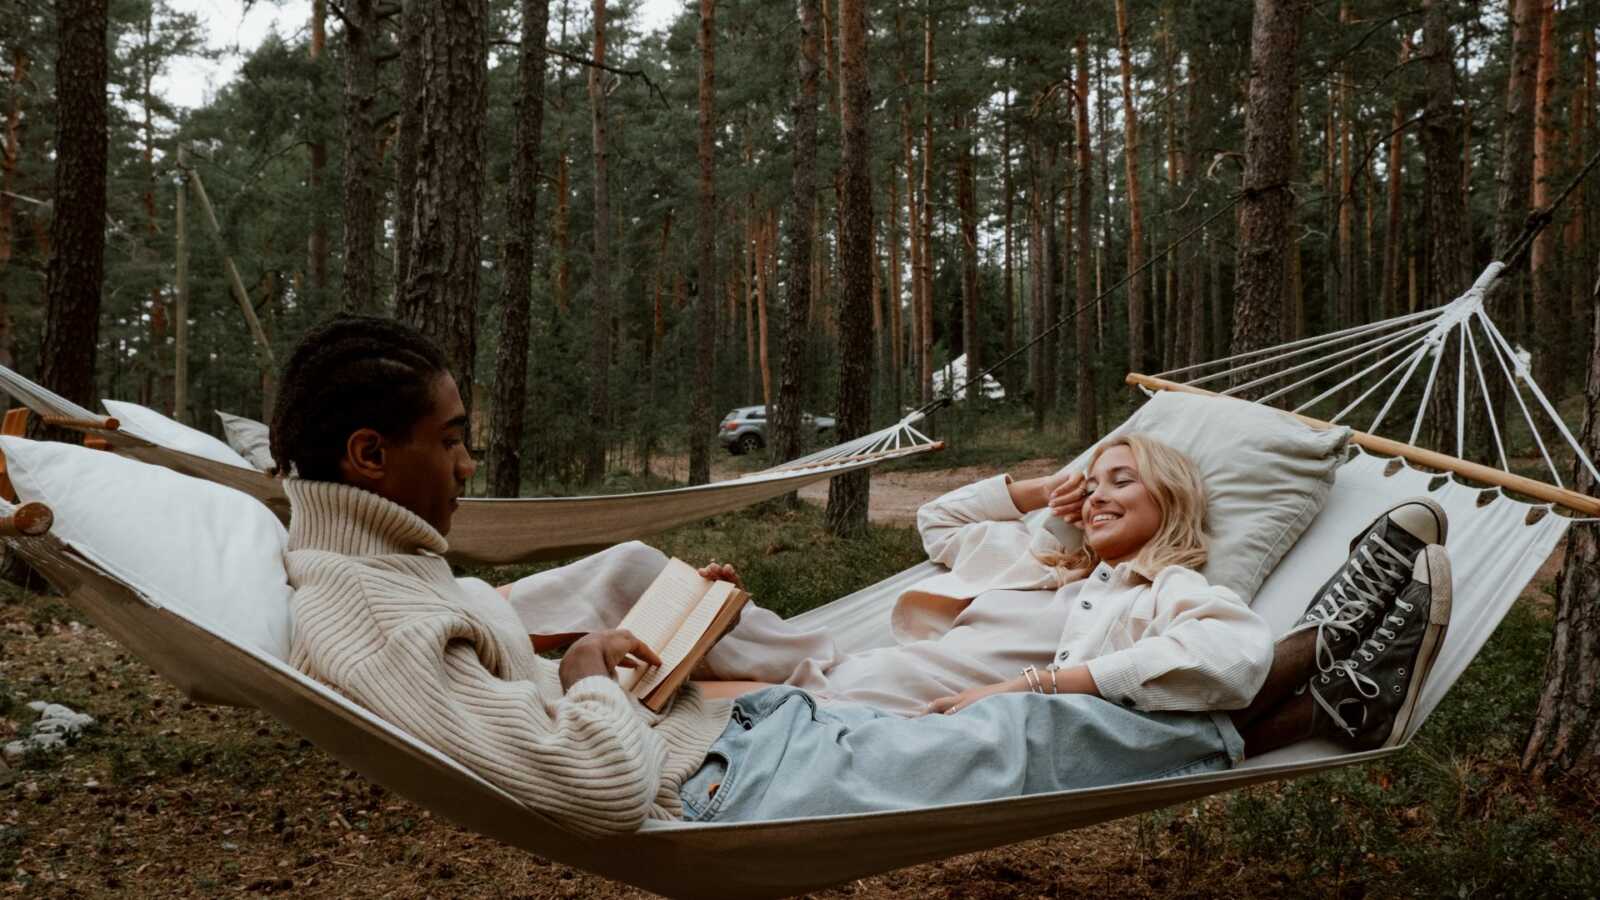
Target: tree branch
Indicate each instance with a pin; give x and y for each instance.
(586, 61)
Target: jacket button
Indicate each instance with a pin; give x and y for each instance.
(1105, 576)
(1062, 656)
(1086, 604)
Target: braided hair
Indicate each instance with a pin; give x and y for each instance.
(350, 372)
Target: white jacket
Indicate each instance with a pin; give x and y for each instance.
(1171, 642)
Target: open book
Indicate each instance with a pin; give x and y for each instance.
(680, 616)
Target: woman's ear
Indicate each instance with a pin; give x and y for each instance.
(363, 456)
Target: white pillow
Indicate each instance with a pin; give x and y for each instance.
(1267, 475)
(156, 428)
(206, 551)
(251, 439)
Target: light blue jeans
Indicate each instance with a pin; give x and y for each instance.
(783, 756)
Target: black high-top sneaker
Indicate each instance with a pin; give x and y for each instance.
(1378, 568)
(1368, 699)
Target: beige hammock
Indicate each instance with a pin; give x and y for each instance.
(502, 531)
(1497, 543)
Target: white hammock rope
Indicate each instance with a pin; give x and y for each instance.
(1402, 346)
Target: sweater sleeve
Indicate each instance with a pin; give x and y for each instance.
(587, 758)
(947, 521)
(1204, 649)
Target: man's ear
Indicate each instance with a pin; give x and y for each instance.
(363, 456)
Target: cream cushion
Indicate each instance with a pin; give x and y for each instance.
(208, 552)
(1267, 475)
(249, 438)
(143, 422)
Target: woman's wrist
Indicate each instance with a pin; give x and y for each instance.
(1031, 494)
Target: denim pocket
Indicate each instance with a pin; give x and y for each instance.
(699, 792)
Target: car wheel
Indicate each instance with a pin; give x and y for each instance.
(748, 443)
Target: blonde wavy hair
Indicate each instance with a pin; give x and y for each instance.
(1174, 482)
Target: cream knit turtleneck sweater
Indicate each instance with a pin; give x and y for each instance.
(379, 616)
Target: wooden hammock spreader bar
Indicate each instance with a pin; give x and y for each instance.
(27, 520)
(1572, 500)
(106, 424)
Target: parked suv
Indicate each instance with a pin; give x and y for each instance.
(745, 429)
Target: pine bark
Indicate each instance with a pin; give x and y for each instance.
(1550, 309)
(1138, 284)
(705, 319)
(798, 226)
(76, 267)
(440, 296)
(317, 243)
(522, 223)
(9, 155)
(1393, 251)
(594, 461)
(407, 140)
(925, 197)
(1565, 741)
(360, 290)
(1264, 213)
(1449, 267)
(967, 206)
(1087, 420)
(848, 494)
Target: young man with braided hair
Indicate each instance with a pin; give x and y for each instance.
(370, 432)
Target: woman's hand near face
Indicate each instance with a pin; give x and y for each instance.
(1066, 499)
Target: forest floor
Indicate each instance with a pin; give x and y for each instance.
(164, 797)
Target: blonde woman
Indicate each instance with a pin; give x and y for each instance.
(1125, 616)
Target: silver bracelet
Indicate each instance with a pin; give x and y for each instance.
(1030, 675)
(1053, 669)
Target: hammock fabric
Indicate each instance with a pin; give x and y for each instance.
(1494, 551)
(502, 531)
(1496, 545)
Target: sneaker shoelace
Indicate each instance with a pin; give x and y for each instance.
(1377, 569)
(1349, 667)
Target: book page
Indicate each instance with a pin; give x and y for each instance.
(689, 634)
(661, 611)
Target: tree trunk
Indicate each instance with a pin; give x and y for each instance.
(896, 336)
(1550, 308)
(317, 244)
(786, 438)
(1449, 269)
(925, 196)
(1393, 245)
(594, 460)
(1088, 426)
(1008, 274)
(1130, 124)
(440, 297)
(765, 264)
(360, 158)
(76, 268)
(848, 494)
(412, 24)
(1037, 268)
(16, 123)
(522, 222)
(701, 418)
(1264, 214)
(180, 303)
(967, 204)
(1566, 729)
